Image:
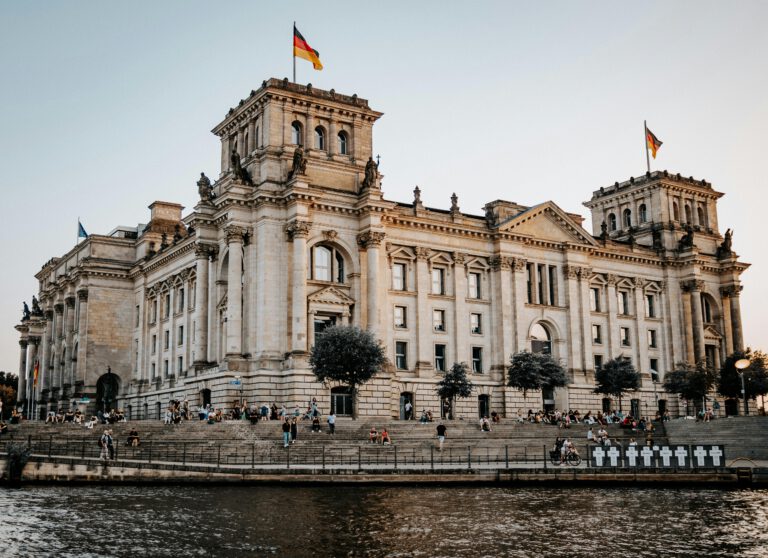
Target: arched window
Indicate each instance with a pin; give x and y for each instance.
(627, 218)
(688, 216)
(320, 138)
(611, 221)
(675, 211)
(701, 216)
(541, 341)
(326, 264)
(706, 309)
(296, 135)
(643, 213)
(256, 142)
(343, 143)
(244, 146)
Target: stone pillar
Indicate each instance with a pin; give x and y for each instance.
(697, 320)
(32, 390)
(333, 140)
(224, 155)
(585, 274)
(82, 337)
(725, 304)
(371, 241)
(534, 279)
(298, 231)
(234, 290)
(642, 336)
(520, 299)
(309, 133)
(738, 336)
(58, 334)
(690, 349)
(48, 347)
(575, 346)
(461, 316)
(22, 391)
(69, 330)
(202, 253)
(614, 345)
(251, 136)
(423, 313)
(501, 312)
(311, 327)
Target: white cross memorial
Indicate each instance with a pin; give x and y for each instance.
(631, 454)
(701, 455)
(598, 454)
(681, 453)
(614, 454)
(716, 454)
(647, 454)
(666, 454)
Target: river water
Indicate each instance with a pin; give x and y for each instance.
(401, 521)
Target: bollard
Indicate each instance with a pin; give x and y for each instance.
(469, 457)
(506, 456)
(218, 458)
(395, 457)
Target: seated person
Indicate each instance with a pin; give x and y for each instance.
(3, 428)
(51, 417)
(429, 416)
(69, 416)
(485, 424)
(133, 438)
(495, 417)
(385, 437)
(316, 424)
(590, 436)
(423, 418)
(90, 424)
(373, 435)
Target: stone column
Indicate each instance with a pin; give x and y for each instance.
(534, 279)
(69, 330)
(697, 321)
(234, 290)
(298, 231)
(251, 136)
(202, 253)
(585, 274)
(725, 304)
(311, 327)
(333, 141)
(224, 155)
(520, 299)
(690, 349)
(82, 337)
(642, 336)
(614, 345)
(461, 316)
(31, 395)
(501, 312)
(58, 334)
(371, 241)
(423, 314)
(48, 350)
(738, 338)
(309, 133)
(22, 391)
(575, 358)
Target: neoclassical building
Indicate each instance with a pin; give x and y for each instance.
(296, 235)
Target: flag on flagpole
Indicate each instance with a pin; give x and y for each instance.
(35, 373)
(302, 49)
(81, 230)
(653, 142)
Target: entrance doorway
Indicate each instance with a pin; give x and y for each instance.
(484, 406)
(731, 407)
(405, 398)
(341, 401)
(634, 408)
(107, 388)
(606, 405)
(205, 397)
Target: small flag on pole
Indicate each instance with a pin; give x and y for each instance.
(81, 230)
(302, 49)
(653, 142)
(35, 373)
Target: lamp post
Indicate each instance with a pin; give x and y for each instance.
(740, 365)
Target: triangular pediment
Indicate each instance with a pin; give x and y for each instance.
(547, 221)
(711, 333)
(330, 295)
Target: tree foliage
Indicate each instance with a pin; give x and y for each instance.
(534, 371)
(10, 380)
(689, 381)
(8, 397)
(455, 383)
(755, 375)
(616, 377)
(349, 355)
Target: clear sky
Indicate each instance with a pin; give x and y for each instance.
(106, 106)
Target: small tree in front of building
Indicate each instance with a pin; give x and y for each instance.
(755, 375)
(454, 384)
(535, 371)
(349, 355)
(617, 377)
(691, 382)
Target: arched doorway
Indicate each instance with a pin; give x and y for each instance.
(483, 406)
(541, 342)
(107, 388)
(731, 407)
(406, 397)
(341, 401)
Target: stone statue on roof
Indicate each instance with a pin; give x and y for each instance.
(371, 173)
(204, 188)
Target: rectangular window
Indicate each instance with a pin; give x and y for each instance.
(166, 339)
(400, 317)
(594, 299)
(652, 338)
(596, 334)
(167, 307)
(180, 296)
(438, 281)
(598, 360)
(154, 371)
(474, 285)
(438, 320)
(625, 336)
(154, 310)
(477, 360)
(401, 355)
(440, 358)
(165, 368)
(530, 273)
(541, 270)
(179, 365)
(137, 315)
(180, 340)
(398, 277)
(624, 303)
(650, 306)
(552, 285)
(476, 323)
(654, 368)
(154, 344)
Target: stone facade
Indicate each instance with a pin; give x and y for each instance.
(287, 242)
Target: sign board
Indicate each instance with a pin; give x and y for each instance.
(235, 382)
(666, 457)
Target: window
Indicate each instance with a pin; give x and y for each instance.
(643, 213)
(650, 306)
(438, 320)
(400, 317)
(688, 216)
(706, 309)
(154, 371)
(477, 360)
(625, 336)
(179, 365)
(594, 299)
(652, 338)
(476, 323)
(180, 299)
(154, 344)
(166, 339)
(598, 360)
(627, 218)
(530, 274)
(675, 211)
(154, 310)
(702, 216)
(611, 221)
(167, 305)
(343, 143)
(623, 302)
(438, 281)
(552, 285)
(440, 358)
(541, 340)
(596, 334)
(327, 264)
(474, 285)
(165, 368)
(398, 277)
(180, 340)
(401, 352)
(296, 135)
(655, 369)
(320, 138)
(137, 314)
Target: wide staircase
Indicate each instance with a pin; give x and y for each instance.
(745, 437)
(245, 444)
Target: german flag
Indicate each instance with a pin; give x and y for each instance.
(302, 49)
(35, 372)
(652, 141)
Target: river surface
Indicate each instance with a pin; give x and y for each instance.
(402, 521)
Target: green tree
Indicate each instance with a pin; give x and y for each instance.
(690, 382)
(755, 375)
(10, 380)
(455, 384)
(535, 371)
(616, 377)
(349, 355)
(8, 397)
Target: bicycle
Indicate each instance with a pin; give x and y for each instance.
(571, 458)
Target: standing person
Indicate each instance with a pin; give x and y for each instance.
(332, 423)
(103, 445)
(441, 435)
(294, 429)
(286, 433)
(110, 445)
(408, 410)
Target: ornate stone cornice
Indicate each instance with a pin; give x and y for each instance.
(298, 229)
(370, 239)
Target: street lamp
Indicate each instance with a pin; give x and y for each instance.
(740, 365)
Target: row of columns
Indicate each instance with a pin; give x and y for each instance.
(694, 322)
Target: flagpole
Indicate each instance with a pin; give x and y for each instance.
(645, 138)
(293, 35)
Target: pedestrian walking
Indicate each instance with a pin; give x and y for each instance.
(332, 423)
(286, 433)
(441, 435)
(294, 429)
(104, 455)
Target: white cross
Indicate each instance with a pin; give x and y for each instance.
(647, 454)
(598, 454)
(701, 455)
(681, 453)
(631, 454)
(613, 455)
(665, 455)
(716, 454)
